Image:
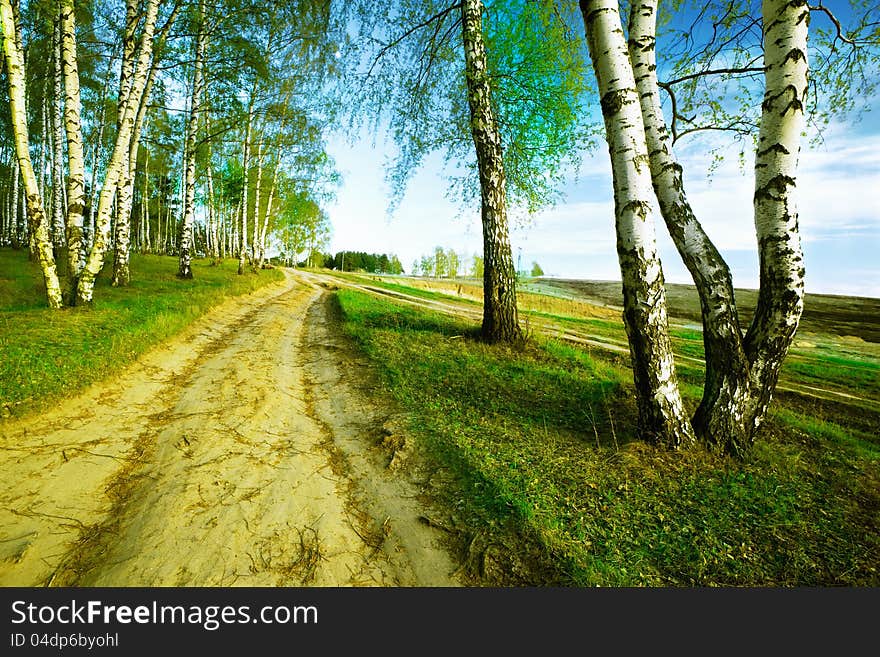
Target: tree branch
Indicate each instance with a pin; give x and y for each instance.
(438, 16)
(742, 70)
(833, 19)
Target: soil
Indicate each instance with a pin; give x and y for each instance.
(240, 453)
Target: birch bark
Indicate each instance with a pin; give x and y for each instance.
(122, 228)
(35, 211)
(264, 229)
(76, 163)
(243, 246)
(184, 269)
(741, 373)
(726, 387)
(500, 316)
(255, 239)
(119, 158)
(89, 224)
(781, 295)
(212, 214)
(662, 416)
(13, 205)
(57, 142)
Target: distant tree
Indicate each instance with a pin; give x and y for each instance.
(426, 265)
(536, 270)
(441, 262)
(394, 266)
(453, 263)
(493, 85)
(477, 266)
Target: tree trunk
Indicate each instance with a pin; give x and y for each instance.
(662, 417)
(145, 203)
(76, 163)
(266, 216)
(57, 143)
(160, 238)
(212, 213)
(255, 239)
(781, 295)
(119, 160)
(245, 162)
(719, 417)
(36, 213)
(500, 318)
(13, 205)
(122, 228)
(741, 373)
(89, 226)
(184, 269)
(45, 141)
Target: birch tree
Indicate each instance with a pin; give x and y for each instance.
(662, 416)
(37, 219)
(76, 161)
(57, 110)
(500, 317)
(119, 158)
(742, 367)
(186, 230)
(496, 89)
(125, 192)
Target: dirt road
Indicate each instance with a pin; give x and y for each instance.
(239, 454)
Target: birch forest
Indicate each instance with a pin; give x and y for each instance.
(169, 128)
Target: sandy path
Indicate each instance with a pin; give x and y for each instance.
(210, 463)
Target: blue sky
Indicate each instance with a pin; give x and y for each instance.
(838, 197)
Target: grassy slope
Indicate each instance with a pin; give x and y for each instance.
(541, 440)
(76, 346)
(824, 360)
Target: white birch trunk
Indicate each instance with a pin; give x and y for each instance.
(720, 415)
(212, 213)
(255, 239)
(89, 226)
(57, 142)
(121, 269)
(184, 269)
(13, 204)
(781, 295)
(36, 213)
(264, 229)
(662, 415)
(122, 228)
(45, 140)
(145, 203)
(244, 205)
(741, 373)
(159, 247)
(118, 160)
(76, 161)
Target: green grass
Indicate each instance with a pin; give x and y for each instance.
(541, 444)
(45, 354)
(830, 367)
